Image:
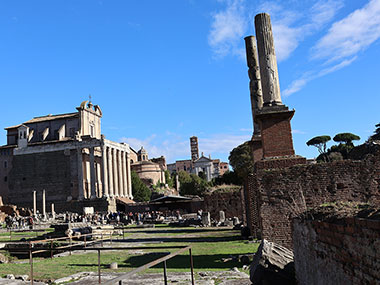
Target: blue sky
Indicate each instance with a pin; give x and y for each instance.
(163, 71)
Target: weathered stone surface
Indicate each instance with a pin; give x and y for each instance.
(206, 220)
(3, 258)
(338, 244)
(267, 58)
(113, 265)
(222, 216)
(229, 201)
(272, 264)
(277, 195)
(254, 83)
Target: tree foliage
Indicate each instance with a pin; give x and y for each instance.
(140, 191)
(376, 133)
(229, 178)
(320, 143)
(346, 138)
(169, 179)
(241, 159)
(192, 184)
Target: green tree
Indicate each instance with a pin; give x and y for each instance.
(183, 177)
(140, 191)
(241, 159)
(193, 186)
(376, 135)
(346, 138)
(320, 143)
(169, 179)
(229, 178)
(202, 175)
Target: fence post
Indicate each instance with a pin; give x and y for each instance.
(123, 233)
(31, 263)
(85, 242)
(51, 249)
(71, 242)
(165, 276)
(102, 240)
(192, 267)
(99, 266)
(111, 236)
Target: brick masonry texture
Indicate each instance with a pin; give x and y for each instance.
(228, 201)
(278, 195)
(54, 172)
(344, 251)
(276, 134)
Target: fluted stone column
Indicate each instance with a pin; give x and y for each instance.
(92, 174)
(267, 61)
(99, 185)
(44, 204)
(125, 178)
(104, 172)
(255, 82)
(110, 171)
(130, 196)
(120, 173)
(80, 174)
(115, 173)
(34, 203)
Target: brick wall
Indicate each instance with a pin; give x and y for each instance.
(55, 172)
(277, 195)
(341, 251)
(228, 201)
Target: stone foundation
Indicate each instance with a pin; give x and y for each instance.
(277, 195)
(340, 249)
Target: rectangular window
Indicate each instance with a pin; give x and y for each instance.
(5, 164)
(5, 178)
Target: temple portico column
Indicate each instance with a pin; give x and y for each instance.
(110, 171)
(115, 173)
(80, 174)
(34, 203)
(104, 172)
(119, 173)
(98, 180)
(124, 167)
(92, 173)
(44, 204)
(129, 188)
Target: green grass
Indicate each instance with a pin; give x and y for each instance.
(209, 247)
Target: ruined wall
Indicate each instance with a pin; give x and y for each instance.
(345, 250)
(228, 201)
(55, 172)
(278, 195)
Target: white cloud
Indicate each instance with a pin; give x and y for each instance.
(295, 86)
(343, 41)
(298, 132)
(288, 35)
(227, 29)
(174, 146)
(298, 84)
(222, 143)
(352, 34)
(229, 25)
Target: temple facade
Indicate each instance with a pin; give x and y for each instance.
(67, 156)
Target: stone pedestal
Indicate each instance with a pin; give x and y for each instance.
(276, 133)
(256, 148)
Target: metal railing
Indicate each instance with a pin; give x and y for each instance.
(83, 246)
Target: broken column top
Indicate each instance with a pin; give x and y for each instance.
(267, 61)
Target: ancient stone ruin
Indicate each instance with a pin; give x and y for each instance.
(283, 186)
